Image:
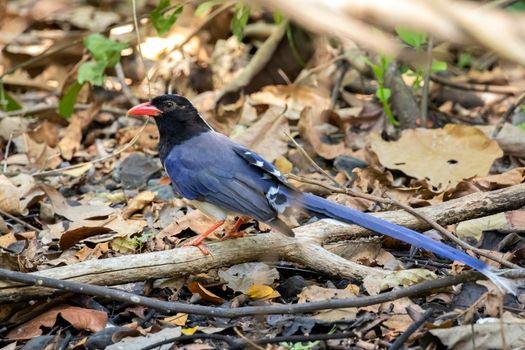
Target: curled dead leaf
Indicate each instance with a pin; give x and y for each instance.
(309, 133)
(196, 287)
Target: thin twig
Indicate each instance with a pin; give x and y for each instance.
(426, 83)
(6, 155)
(398, 343)
(21, 222)
(496, 89)
(418, 214)
(246, 339)
(314, 164)
(139, 40)
(233, 343)
(175, 307)
(309, 72)
(209, 18)
(125, 88)
(40, 108)
(519, 101)
(101, 159)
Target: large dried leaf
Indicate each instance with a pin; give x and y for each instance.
(267, 136)
(292, 99)
(80, 212)
(443, 157)
(484, 336)
(80, 318)
(9, 196)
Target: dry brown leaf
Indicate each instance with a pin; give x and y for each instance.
(178, 319)
(77, 213)
(197, 288)
(474, 228)
(9, 197)
(485, 336)
(137, 203)
(70, 142)
(7, 239)
(41, 155)
(309, 133)
(405, 278)
(45, 133)
(148, 140)
(80, 318)
(196, 220)
(315, 293)
(267, 136)
(443, 157)
(292, 99)
(241, 277)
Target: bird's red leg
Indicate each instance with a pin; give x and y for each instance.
(234, 231)
(197, 242)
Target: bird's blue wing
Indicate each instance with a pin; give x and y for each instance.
(223, 173)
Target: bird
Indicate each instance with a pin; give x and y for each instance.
(221, 177)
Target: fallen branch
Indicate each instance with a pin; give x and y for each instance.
(305, 249)
(176, 307)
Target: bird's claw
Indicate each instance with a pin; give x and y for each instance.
(197, 242)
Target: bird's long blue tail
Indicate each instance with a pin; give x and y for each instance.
(351, 216)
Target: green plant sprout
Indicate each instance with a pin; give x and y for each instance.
(383, 93)
(105, 53)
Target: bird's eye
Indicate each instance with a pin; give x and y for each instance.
(170, 104)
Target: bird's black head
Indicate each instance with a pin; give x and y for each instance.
(176, 118)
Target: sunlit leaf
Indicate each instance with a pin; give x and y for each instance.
(104, 50)
(92, 72)
(205, 6)
(67, 103)
(411, 37)
(439, 66)
(7, 102)
(383, 94)
(239, 20)
(464, 59)
(161, 22)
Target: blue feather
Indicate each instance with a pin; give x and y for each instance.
(351, 216)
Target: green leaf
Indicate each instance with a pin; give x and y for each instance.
(163, 23)
(8, 102)
(92, 72)
(277, 17)
(438, 66)
(411, 37)
(205, 6)
(104, 50)
(522, 126)
(67, 103)
(517, 6)
(383, 94)
(464, 59)
(239, 20)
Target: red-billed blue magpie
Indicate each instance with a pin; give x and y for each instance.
(221, 177)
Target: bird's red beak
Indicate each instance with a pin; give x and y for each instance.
(144, 109)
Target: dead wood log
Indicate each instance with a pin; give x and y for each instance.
(305, 249)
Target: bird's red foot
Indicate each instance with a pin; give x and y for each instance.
(234, 232)
(197, 242)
